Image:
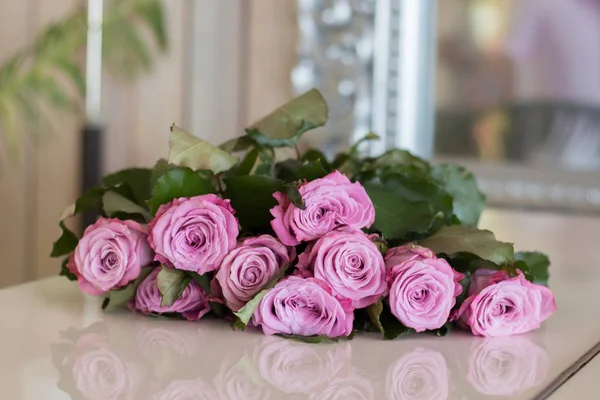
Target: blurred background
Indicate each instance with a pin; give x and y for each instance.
(508, 88)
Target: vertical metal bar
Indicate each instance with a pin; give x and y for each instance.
(92, 131)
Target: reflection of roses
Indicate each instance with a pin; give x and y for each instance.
(356, 385)
(238, 380)
(299, 367)
(506, 366)
(421, 374)
(100, 374)
(153, 341)
(193, 389)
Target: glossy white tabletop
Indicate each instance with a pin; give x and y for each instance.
(584, 385)
(57, 344)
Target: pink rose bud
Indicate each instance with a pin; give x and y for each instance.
(249, 267)
(408, 252)
(423, 292)
(110, 254)
(418, 374)
(351, 264)
(508, 307)
(331, 202)
(305, 307)
(192, 304)
(194, 234)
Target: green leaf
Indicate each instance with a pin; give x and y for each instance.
(293, 170)
(119, 298)
(538, 265)
(294, 196)
(187, 150)
(171, 283)
(113, 203)
(317, 155)
(138, 179)
(468, 201)
(461, 238)
(202, 280)
(283, 127)
(374, 312)
(151, 11)
(246, 165)
(160, 168)
(408, 203)
(385, 322)
(64, 271)
(237, 144)
(397, 157)
(368, 137)
(66, 243)
(245, 313)
(252, 198)
(68, 67)
(178, 182)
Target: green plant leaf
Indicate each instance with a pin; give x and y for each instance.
(159, 170)
(178, 182)
(284, 126)
(455, 239)
(114, 203)
(171, 283)
(64, 271)
(408, 203)
(119, 298)
(186, 150)
(151, 12)
(294, 196)
(246, 165)
(385, 322)
(240, 143)
(202, 280)
(468, 201)
(368, 137)
(138, 179)
(538, 265)
(252, 198)
(72, 71)
(66, 243)
(396, 158)
(374, 312)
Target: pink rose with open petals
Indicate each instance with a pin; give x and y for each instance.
(110, 254)
(331, 202)
(423, 292)
(408, 252)
(194, 234)
(305, 307)
(249, 267)
(350, 263)
(508, 307)
(192, 304)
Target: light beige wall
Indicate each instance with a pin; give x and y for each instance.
(246, 75)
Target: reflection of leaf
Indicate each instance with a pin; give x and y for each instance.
(284, 125)
(186, 150)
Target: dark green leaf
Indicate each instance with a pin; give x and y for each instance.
(115, 204)
(284, 126)
(218, 309)
(119, 298)
(368, 137)
(178, 182)
(151, 11)
(460, 238)
(310, 171)
(66, 243)
(407, 204)
(464, 283)
(64, 271)
(237, 144)
(385, 322)
(538, 265)
(314, 155)
(294, 196)
(265, 170)
(246, 165)
(468, 201)
(159, 170)
(138, 179)
(72, 71)
(171, 283)
(186, 150)
(202, 280)
(396, 157)
(444, 330)
(374, 312)
(252, 198)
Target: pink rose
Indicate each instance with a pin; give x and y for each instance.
(506, 366)
(423, 292)
(194, 234)
(192, 304)
(408, 252)
(110, 254)
(418, 374)
(305, 307)
(508, 307)
(350, 263)
(294, 368)
(331, 202)
(249, 267)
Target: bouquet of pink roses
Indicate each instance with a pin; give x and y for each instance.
(303, 247)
